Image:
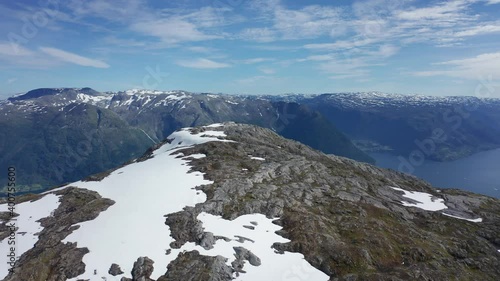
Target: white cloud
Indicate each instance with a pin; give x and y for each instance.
(73, 58)
(308, 22)
(252, 80)
(258, 34)
(11, 80)
(484, 65)
(256, 60)
(387, 50)
(345, 68)
(267, 70)
(450, 10)
(11, 49)
(341, 45)
(112, 10)
(326, 57)
(172, 30)
(200, 49)
(479, 30)
(202, 63)
(17, 56)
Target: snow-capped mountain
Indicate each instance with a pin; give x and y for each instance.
(61, 135)
(464, 125)
(238, 202)
(104, 129)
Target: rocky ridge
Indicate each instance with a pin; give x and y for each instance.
(345, 217)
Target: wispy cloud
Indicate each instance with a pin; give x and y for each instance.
(8, 49)
(263, 34)
(201, 49)
(11, 80)
(267, 70)
(469, 68)
(73, 58)
(202, 63)
(111, 10)
(479, 30)
(287, 24)
(256, 60)
(172, 30)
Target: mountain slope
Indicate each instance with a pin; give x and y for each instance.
(55, 145)
(242, 202)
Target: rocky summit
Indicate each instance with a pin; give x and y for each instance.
(239, 202)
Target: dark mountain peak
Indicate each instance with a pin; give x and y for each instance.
(89, 91)
(34, 94)
(41, 92)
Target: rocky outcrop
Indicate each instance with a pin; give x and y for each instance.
(243, 255)
(142, 270)
(115, 270)
(191, 266)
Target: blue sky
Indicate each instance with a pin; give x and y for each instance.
(252, 47)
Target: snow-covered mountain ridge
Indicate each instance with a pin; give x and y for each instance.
(156, 98)
(103, 130)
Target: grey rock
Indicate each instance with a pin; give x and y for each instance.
(142, 270)
(191, 266)
(115, 270)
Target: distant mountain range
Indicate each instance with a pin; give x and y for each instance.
(59, 135)
(238, 202)
(439, 128)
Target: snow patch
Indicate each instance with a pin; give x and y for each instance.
(184, 138)
(424, 200)
(196, 156)
(259, 241)
(92, 99)
(135, 225)
(28, 226)
(256, 158)
(215, 125)
(460, 218)
(144, 192)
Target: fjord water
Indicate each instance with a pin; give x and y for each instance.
(479, 173)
